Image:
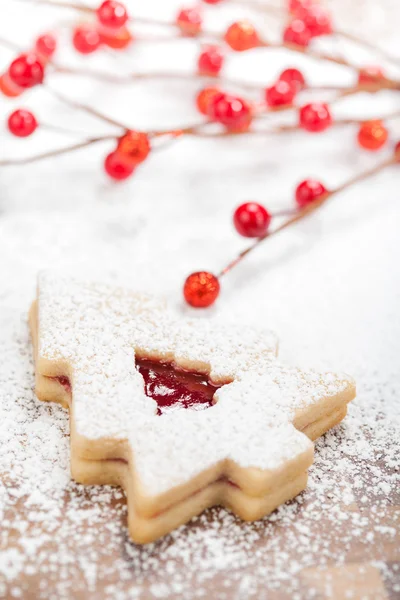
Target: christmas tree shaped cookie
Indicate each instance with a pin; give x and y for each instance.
(183, 414)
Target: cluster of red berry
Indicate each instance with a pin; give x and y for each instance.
(27, 70)
(251, 220)
(307, 19)
(233, 112)
(109, 29)
(132, 149)
(236, 113)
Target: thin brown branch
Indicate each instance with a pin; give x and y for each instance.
(63, 130)
(57, 152)
(301, 214)
(84, 107)
(283, 14)
(365, 174)
(131, 77)
(379, 84)
(151, 22)
(311, 53)
(362, 42)
(198, 130)
(61, 4)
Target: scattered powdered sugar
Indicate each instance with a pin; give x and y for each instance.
(59, 539)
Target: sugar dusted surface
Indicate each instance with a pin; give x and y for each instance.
(330, 288)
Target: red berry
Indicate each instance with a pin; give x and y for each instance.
(233, 112)
(211, 1)
(46, 45)
(120, 40)
(308, 191)
(316, 19)
(201, 289)
(210, 60)
(205, 98)
(251, 220)
(293, 76)
(241, 36)
(372, 135)
(8, 88)
(397, 151)
(112, 14)
(26, 70)
(86, 39)
(295, 5)
(117, 168)
(280, 94)
(134, 147)
(22, 123)
(370, 74)
(297, 33)
(189, 21)
(315, 117)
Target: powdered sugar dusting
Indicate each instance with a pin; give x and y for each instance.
(97, 330)
(329, 288)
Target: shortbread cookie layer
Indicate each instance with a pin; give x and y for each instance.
(146, 529)
(87, 338)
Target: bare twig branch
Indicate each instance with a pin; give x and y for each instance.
(302, 213)
(51, 153)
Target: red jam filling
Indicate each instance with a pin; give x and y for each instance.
(171, 388)
(174, 389)
(64, 381)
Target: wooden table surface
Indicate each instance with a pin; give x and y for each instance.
(299, 552)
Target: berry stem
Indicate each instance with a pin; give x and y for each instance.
(200, 129)
(75, 6)
(362, 42)
(124, 79)
(57, 152)
(381, 83)
(364, 175)
(84, 107)
(196, 129)
(64, 130)
(308, 209)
